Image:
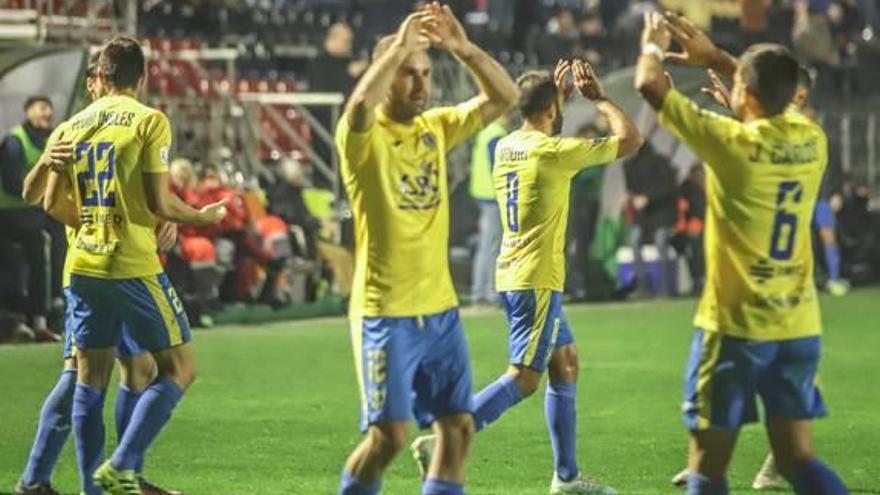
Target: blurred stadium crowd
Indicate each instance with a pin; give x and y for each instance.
(287, 240)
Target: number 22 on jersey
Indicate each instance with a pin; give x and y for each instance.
(95, 183)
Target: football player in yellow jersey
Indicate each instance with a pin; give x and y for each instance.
(120, 189)
(136, 366)
(409, 347)
(532, 176)
(758, 321)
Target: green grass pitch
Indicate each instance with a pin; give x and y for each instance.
(274, 410)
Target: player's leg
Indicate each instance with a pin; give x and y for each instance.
(825, 222)
(54, 425)
(365, 466)
(721, 381)
(792, 443)
(447, 470)
(52, 432)
(96, 329)
(709, 456)
(560, 412)
(155, 320)
(443, 387)
(387, 352)
(534, 325)
(792, 400)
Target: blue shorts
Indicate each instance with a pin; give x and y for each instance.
(537, 326)
(823, 215)
(102, 309)
(411, 364)
(127, 346)
(724, 374)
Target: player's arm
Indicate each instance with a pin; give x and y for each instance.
(156, 133)
(498, 92)
(167, 206)
(376, 81)
(58, 201)
(57, 155)
(629, 140)
(651, 80)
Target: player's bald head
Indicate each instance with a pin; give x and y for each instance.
(770, 73)
(411, 88)
(121, 62)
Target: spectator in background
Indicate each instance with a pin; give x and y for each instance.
(192, 266)
(482, 189)
(336, 70)
(652, 189)
(41, 238)
(689, 226)
(286, 200)
(583, 214)
(561, 38)
(811, 35)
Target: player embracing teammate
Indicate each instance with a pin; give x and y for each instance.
(758, 325)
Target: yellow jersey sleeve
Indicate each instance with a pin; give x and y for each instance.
(574, 154)
(459, 122)
(156, 131)
(354, 146)
(708, 134)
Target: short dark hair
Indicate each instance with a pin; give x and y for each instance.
(92, 66)
(770, 72)
(33, 100)
(122, 62)
(537, 93)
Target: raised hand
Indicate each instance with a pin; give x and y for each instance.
(214, 212)
(412, 35)
(655, 31)
(698, 48)
(443, 29)
(59, 155)
(586, 81)
(563, 68)
(718, 90)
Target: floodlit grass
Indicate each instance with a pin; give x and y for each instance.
(274, 410)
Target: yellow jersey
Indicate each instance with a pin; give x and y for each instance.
(762, 180)
(532, 177)
(395, 177)
(117, 139)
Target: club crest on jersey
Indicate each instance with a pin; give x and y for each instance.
(420, 190)
(429, 140)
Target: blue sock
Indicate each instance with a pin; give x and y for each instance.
(701, 485)
(434, 486)
(561, 415)
(351, 486)
(815, 478)
(88, 429)
(150, 414)
(52, 431)
(832, 259)
(126, 399)
(493, 400)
